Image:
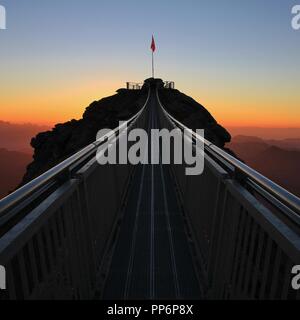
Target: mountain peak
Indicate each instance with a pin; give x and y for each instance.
(51, 147)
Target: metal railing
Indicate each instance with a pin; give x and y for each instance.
(138, 85)
(169, 84)
(134, 86)
(251, 176)
(54, 250)
(62, 169)
(245, 227)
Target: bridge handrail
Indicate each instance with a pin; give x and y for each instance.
(52, 174)
(254, 177)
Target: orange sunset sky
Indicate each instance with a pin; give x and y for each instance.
(246, 73)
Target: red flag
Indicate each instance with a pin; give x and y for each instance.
(153, 47)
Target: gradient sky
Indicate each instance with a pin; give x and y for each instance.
(239, 58)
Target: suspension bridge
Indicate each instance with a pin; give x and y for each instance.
(88, 231)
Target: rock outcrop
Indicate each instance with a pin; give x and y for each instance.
(51, 147)
(193, 115)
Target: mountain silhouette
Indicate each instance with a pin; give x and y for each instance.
(280, 164)
(51, 147)
(12, 168)
(17, 137)
(265, 132)
(194, 116)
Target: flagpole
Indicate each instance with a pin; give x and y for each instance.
(152, 64)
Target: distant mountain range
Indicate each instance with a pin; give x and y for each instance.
(17, 137)
(12, 168)
(15, 153)
(279, 160)
(265, 133)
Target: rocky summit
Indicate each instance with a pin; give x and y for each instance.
(193, 115)
(51, 147)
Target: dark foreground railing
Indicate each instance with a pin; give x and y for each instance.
(246, 227)
(54, 249)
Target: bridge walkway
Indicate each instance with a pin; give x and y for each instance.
(152, 257)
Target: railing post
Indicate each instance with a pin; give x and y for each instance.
(222, 246)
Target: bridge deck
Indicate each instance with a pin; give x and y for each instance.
(152, 258)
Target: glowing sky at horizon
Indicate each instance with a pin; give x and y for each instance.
(238, 58)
